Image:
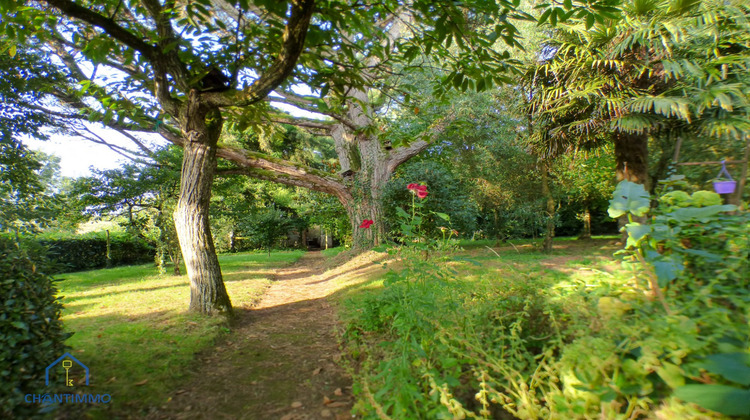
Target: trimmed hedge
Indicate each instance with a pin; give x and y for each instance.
(90, 252)
(31, 333)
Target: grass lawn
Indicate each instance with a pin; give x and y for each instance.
(132, 330)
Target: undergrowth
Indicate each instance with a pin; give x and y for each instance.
(562, 337)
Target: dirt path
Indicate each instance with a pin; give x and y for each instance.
(279, 362)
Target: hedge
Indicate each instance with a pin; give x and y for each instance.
(88, 253)
(31, 333)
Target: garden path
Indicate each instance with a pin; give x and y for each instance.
(279, 362)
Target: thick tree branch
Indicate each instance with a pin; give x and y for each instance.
(313, 109)
(257, 173)
(167, 61)
(285, 172)
(293, 45)
(293, 98)
(402, 154)
(321, 127)
(71, 9)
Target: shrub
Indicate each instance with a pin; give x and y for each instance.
(31, 332)
(88, 252)
(447, 194)
(671, 341)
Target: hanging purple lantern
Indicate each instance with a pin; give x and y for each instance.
(724, 186)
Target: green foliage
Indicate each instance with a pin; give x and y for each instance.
(86, 252)
(26, 200)
(26, 77)
(446, 194)
(267, 228)
(533, 343)
(698, 253)
(141, 196)
(592, 81)
(629, 197)
(30, 328)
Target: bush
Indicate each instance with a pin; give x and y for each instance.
(446, 194)
(89, 252)
(31, 332)
(670, 340)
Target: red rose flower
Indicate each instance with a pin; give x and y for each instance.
(419, 190)
(366, 224)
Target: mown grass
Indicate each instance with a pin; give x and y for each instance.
(132, 329)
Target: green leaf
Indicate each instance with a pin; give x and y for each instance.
(458, 80)
(720, 398)
(12, 50)
(589, 21)
(443, 216)
(671, 374)
(629, 197)
(667, 270)
(733, 367)
(637, 232)
(702, 214)
(20, 325)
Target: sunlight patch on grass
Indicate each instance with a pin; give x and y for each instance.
(131, 325)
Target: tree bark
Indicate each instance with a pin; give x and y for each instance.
(365, 205)
(550, 210)
(631, 158)
(201, 129)
(586, 232)
(631, 154)
(736, 198)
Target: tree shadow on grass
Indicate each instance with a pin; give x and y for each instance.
(118, 292)
(135, 358)
(279, 361)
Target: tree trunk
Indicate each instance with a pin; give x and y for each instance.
(363, 208)
(586, 232)
(550, 209)
(736, 198)
(201, 128)
(109, 251)
(631, 156)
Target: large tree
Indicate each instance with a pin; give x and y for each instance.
(182, 68)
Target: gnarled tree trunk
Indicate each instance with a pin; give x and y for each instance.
(201, 129)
